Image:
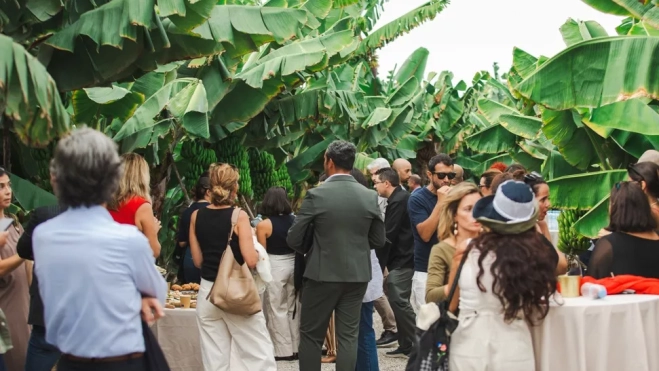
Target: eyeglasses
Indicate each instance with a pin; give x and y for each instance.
(442, 175)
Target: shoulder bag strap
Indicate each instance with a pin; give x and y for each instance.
(454, 286)
(234, 221)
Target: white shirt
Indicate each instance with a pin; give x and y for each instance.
(374, 289)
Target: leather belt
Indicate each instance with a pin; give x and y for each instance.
(103, 360)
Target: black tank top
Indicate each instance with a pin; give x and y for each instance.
(276, 243)
(212, 229)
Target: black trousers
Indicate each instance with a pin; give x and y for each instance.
(319, 299)
(399, 289)
(137, 364)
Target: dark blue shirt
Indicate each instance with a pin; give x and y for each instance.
(420, 206)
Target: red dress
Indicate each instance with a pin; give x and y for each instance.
(126, 212)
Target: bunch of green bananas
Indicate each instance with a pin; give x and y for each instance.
(262, 171)
(199, 158)
(42, 158)
(569, 241)
(231, 151)
(284, 180)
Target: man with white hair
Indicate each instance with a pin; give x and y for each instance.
(390, 335)
(373, 167)
(81, 251)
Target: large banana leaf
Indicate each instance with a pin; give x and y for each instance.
(186, 101)
(527, 127)
(29, 97)
(631, 115)
(414, 66)
(245, 28)
(294, 57)
(30, 196)
(109, 24)
(577, 31)
(608, 6)
(589, 191)
(494, 139)
(596, 72)
(400, 26)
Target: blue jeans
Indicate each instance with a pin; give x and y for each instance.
(2, 363)
(41, 356)
(191, 274)
(367, 351)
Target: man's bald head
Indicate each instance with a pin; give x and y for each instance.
(404, 169)
(459, 174)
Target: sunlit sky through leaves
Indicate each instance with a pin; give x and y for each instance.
(469, 35)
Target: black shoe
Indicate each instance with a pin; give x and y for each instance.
(286, 359)
(387, 339)
(399, 353)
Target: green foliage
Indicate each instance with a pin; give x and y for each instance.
(231, 151)
(284, 180)
(569, 240)
(262, 172)
(199, 159)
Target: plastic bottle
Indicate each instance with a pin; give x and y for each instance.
(593, 291)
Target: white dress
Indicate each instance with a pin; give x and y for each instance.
(483, 341)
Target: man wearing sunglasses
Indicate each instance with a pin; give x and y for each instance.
(423, 208)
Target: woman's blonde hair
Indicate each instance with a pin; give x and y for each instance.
(134, 180)
(449, 207)
(224, 184)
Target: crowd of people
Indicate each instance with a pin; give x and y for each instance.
(394, 246)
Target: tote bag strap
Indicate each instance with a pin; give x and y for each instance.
(234, 221)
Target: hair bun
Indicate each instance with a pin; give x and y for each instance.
(220, 195)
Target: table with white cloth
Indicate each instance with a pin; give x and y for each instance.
(178, 335)
(616, 333)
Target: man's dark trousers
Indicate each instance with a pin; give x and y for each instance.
(399, 289)
(319, 299)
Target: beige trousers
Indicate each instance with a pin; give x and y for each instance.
(223, 334)
(280, 305)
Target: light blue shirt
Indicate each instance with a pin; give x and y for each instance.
(92, 272)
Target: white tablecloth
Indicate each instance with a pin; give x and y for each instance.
(178, 336)
(616, 333)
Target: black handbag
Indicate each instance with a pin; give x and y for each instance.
(154, 358)
(431, 352)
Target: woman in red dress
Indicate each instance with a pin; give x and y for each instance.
(132, 203)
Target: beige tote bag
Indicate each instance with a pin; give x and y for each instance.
(234, 290)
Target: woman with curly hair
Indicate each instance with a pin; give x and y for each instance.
(506, 280)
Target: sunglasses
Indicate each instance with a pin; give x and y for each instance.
(234, 167)
(442, 175)
(532, 178)
(632, 170)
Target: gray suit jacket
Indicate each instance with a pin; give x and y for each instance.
(346, 226)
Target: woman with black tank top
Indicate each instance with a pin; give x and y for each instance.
(281, 301)
(209, 231)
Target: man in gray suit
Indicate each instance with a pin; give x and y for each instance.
(346, 224)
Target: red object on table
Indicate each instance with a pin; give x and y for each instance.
(618, 284)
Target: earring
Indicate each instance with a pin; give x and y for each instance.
(455, 229)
